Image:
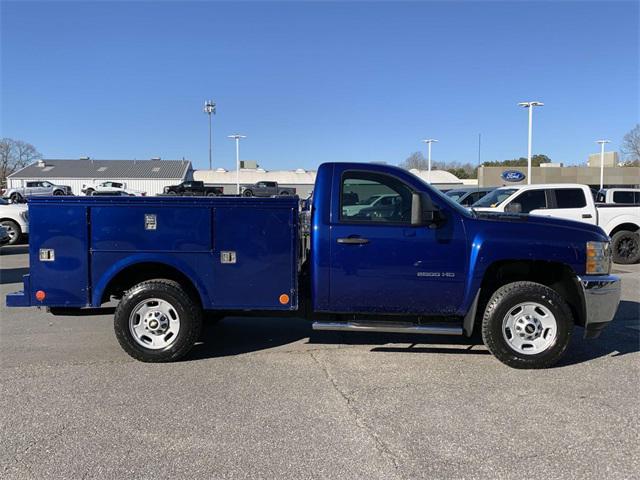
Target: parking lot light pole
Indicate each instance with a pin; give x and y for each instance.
(210, 108)
(429, 141)
(530, 106)
(237, 138)
(602, 143)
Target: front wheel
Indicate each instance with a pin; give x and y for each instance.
(58, 192)
(157, 321)
(16, 198)
(89, 192)
(527, 325)
(247, 193)
(625, 247)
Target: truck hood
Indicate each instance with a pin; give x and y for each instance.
(546, 222)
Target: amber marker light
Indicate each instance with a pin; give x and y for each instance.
(284, 299)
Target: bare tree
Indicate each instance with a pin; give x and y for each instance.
(630, 148)
(15, 154)
(415, 160)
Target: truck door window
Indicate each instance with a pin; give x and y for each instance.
(531, 200)
(570, 198)
(374, 198)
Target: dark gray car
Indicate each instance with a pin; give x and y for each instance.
(468, 196)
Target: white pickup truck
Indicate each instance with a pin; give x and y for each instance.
(573, 202)
(110, 186)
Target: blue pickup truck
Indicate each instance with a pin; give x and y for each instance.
(418, 264)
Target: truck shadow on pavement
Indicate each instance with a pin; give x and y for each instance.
(12, 275)
(233, 336)
(14, 250)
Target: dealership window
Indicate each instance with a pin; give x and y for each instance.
(531, 200)
(374, 198)
(570, 198)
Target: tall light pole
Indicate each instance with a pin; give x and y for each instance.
(602, 143)
(210, 108)
(530, 106)
(237, 138)
(429, 141)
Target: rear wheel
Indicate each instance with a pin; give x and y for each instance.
(527, 325)
(157, 321)
(625, 247)
(247, 193)
(89, 192)
(211, 194)
(58, 192)
(284, 194)
(14, 231)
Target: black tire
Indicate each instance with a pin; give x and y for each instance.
(16, 198)
(507, 298)
(284, 194)
(89, 192)
(171, 192)
(211, 194)
(14, 230)
(58, 192)
(247, 193)
(625, 247)
(187, 308)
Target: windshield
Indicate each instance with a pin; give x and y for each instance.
(495, 198)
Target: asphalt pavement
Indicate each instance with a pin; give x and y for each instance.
(269, 398)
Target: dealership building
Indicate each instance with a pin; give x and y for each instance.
(150, 176)
(300, 179)
(614, 175)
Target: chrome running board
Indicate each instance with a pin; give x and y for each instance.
(388, 327)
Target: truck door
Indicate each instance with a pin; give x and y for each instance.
(380, 263)
(571, 203)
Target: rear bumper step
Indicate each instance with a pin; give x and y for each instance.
(388, 327)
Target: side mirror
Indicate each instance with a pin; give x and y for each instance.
(513, 207)
(423, 212)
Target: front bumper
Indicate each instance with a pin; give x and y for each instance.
(601, 295)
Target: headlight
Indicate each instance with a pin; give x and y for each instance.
(598, 258)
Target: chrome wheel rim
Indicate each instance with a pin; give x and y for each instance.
(11, 231)
(154, 323)
(529, 328)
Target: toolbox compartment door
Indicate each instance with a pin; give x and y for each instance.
(255, 258)
(59, 231)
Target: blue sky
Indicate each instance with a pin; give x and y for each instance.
(309, 82)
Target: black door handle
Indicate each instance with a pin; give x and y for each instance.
(586, 215)
(353, 240)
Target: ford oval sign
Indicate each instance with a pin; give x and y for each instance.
(513, 176)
